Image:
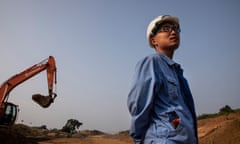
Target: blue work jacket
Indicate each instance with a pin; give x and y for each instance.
(159, 95)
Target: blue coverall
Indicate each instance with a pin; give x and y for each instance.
(159, 95)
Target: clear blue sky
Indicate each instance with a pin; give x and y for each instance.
(97, 44)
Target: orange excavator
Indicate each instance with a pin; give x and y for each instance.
(8, 110)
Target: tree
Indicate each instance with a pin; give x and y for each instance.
(226, 109)
(71, 126)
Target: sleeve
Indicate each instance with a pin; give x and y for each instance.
(140, 99)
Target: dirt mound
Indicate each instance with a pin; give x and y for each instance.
(29, 131)
(227, 134)
(22, 134)
(220, 130)
(124, 133)
(91, 132)
(8, 135)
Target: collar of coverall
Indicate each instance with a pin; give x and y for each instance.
(169, 61)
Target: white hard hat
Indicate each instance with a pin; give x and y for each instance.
(155, 22)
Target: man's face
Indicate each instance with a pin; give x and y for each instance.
(167, 37)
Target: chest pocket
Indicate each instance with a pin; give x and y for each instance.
(172, 87)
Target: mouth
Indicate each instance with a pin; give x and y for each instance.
(174, 38)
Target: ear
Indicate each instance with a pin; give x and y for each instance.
(153, 41)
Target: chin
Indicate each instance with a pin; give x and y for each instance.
(174, 47)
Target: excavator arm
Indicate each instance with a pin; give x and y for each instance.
(44, 101)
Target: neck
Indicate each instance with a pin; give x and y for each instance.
(169, 52)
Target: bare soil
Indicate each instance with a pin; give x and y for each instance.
(89, 140)
(224, 129)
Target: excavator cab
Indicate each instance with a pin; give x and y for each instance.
(10, 114)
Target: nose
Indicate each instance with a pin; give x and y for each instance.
(173, 32)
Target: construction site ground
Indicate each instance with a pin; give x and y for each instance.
(223, 129)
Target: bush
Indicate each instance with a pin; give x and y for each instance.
(225, 110)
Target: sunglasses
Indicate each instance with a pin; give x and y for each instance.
(167, 27)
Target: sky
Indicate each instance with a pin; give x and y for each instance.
(97, 43)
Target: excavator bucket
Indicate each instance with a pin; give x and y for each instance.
(44, 101)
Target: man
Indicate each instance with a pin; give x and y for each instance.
(160, 101)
